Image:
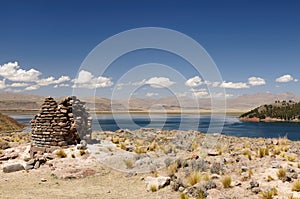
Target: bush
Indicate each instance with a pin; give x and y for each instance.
(216, 168)
(199, 165)
(129, 163)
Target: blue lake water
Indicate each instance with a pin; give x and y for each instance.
(231, 126)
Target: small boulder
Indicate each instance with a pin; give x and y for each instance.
(13, 168)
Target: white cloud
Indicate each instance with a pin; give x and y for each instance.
(12, 72)
(51, 80)
(87, 80)
(159, 82)
(61, 85)
(233, 85)
(18, 85)
(138, 83)
(256, 81)
(32, 87)
(284, 78)
(199, 92)
(151, 94)
(194, 82)
(2, 84)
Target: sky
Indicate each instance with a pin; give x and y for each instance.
(255, 46)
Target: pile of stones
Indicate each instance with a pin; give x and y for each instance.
(60, 125)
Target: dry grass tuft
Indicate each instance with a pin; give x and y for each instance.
(61, 153)
(226, 181)
(296, 186)
(194, 178)
(281, 174)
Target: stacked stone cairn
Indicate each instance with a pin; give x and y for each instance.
(60, 125)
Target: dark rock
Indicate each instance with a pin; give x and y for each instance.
(253, 184)
(13, 168)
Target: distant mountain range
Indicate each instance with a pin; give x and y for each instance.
(16, 101)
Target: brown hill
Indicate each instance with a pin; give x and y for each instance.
(9, 124)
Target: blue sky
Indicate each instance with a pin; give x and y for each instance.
(43, 44)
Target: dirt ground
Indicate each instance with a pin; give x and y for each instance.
(107, 183)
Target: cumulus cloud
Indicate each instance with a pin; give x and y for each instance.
(32, 87)
(285, 78)
(51, 80)
(12, 72)
(194, 82)
(18, 85)
(159, 82)
(86, 79)
(151, 94)
(233, 85)
(31, 79)
(199, 92)
(256, 81)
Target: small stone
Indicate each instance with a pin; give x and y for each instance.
(244, 168)
(255, 190)
(37, 165)
(253, 184)
(212, 153)
(43, 180)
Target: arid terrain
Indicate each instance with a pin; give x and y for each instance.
(128, 164)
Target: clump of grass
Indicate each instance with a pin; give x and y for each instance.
(123, 146)
(298, 165)
(129, 163)
(194, 178)
(277, 150)
(281, 174)
(139, 143)
(250, 173)
(270, 193)
(140, 150)
(184, 196)
(283, 140)
(173, 168)
(82, 152)
(226, 181)
(206, 177)
(194, 146)
(246, 152)
(61, 153)
(267, 151)
(291, 158)
(153, 188)
(115, 139)
(153, 146)
(269, 179)
(261, 152)
(296, 186)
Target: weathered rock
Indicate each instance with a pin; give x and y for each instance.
(4, 145)
(158, 182)
(13, 168)
(212, 153)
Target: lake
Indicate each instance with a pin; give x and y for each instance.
(232, 126)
